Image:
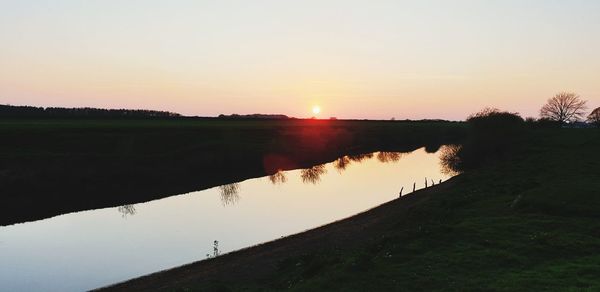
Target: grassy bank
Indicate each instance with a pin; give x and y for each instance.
(49, 167)
(528, 222)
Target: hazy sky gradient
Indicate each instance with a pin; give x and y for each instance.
(357, 59)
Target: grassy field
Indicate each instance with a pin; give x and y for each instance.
(49, 167)
(528, 222)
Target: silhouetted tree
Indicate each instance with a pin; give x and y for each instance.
(493, 118)
(564, 107)
(494, 133)
(594, 117)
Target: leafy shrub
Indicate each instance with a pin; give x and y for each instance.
(494, 119)
(494, 134)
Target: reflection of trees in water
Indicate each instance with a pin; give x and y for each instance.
(127, 210)
(450, 159)
(313, 174)
(341, 163)
(230, 193)
(389, 156)
(278, 177)
(360, 157)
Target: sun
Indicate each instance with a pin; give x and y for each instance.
(316, 109)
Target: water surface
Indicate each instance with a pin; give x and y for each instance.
(90, 249)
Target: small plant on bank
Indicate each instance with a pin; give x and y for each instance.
(216, 251)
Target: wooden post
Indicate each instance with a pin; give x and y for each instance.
(402, 189)
(425, 182)
(414, 187)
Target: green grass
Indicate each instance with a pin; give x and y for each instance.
(527, 223)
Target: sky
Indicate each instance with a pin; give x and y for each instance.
(373, 59)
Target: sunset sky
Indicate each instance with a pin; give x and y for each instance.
(355, 59)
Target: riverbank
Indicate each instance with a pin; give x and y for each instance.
(529, 222)
(51, 167)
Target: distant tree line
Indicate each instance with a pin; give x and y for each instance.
(9, 111)
(254, 116)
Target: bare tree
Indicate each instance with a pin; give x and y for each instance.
(564, 107)
(594, 117)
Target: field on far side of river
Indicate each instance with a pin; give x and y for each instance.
(54, 166)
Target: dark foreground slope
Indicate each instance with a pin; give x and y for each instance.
(54, 166)
(530, 222)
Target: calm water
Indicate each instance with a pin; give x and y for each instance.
(90, 249)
